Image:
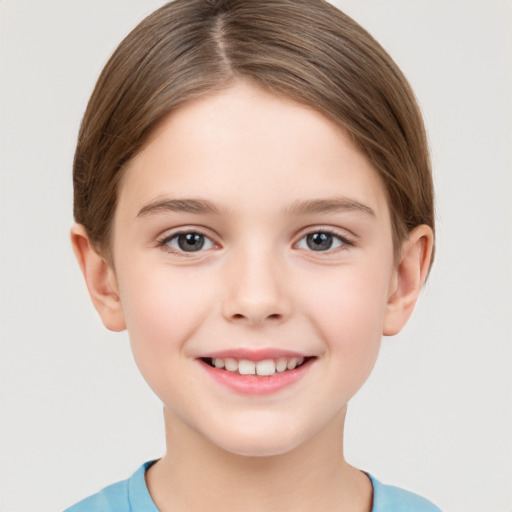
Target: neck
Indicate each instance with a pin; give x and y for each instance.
(196, 475)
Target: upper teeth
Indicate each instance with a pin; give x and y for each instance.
(262, 368)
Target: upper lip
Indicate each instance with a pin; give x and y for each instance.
(253, 354)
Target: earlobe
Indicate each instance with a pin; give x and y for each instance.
(100, 279)
(409, 277)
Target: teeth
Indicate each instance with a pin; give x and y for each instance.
(281, 365)
(231, 365)
(246, 367)
(292, 363)
(264, 368)
(267, 367)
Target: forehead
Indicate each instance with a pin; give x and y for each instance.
(244, 147)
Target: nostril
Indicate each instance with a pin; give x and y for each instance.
(251, 318)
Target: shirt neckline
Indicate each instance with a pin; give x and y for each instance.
(141, 501)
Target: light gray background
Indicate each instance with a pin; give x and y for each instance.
(434, 417)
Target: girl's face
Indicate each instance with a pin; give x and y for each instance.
(252, 236)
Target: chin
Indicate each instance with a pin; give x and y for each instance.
(263, 448)
(263, 443)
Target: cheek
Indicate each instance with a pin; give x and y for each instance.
(162, 311)
(347, 308)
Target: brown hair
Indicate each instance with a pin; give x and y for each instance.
(305, 50)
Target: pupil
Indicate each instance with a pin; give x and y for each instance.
(319, 241)
(190, 242)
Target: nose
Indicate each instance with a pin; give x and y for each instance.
(256, 292)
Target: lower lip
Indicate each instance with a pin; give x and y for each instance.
(254, 385)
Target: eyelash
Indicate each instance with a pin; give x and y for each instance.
(164, 242)
(344, 242)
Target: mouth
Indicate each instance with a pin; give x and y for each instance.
(256, 373)
(262, 368)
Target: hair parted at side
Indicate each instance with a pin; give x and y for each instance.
(305, 50)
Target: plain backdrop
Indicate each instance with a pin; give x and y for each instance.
(435, 416)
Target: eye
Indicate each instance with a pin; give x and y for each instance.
(322, 241)
(190, 241)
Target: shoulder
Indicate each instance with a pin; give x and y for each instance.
(387, 498)
(113, 497)
(129, 495)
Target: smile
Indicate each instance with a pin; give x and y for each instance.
(264, 368)
(256, 372)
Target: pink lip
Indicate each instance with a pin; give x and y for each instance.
(252, 384)
(254, 354)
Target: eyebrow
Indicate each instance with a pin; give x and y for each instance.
(301, 207)
(180, 206)
(331, 205)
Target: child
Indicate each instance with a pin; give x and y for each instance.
(254, 204)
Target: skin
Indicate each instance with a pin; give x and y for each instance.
(261, 162)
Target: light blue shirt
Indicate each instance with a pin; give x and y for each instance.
(132, 495)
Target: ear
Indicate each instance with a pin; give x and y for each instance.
(100, 279)
(410, 274)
